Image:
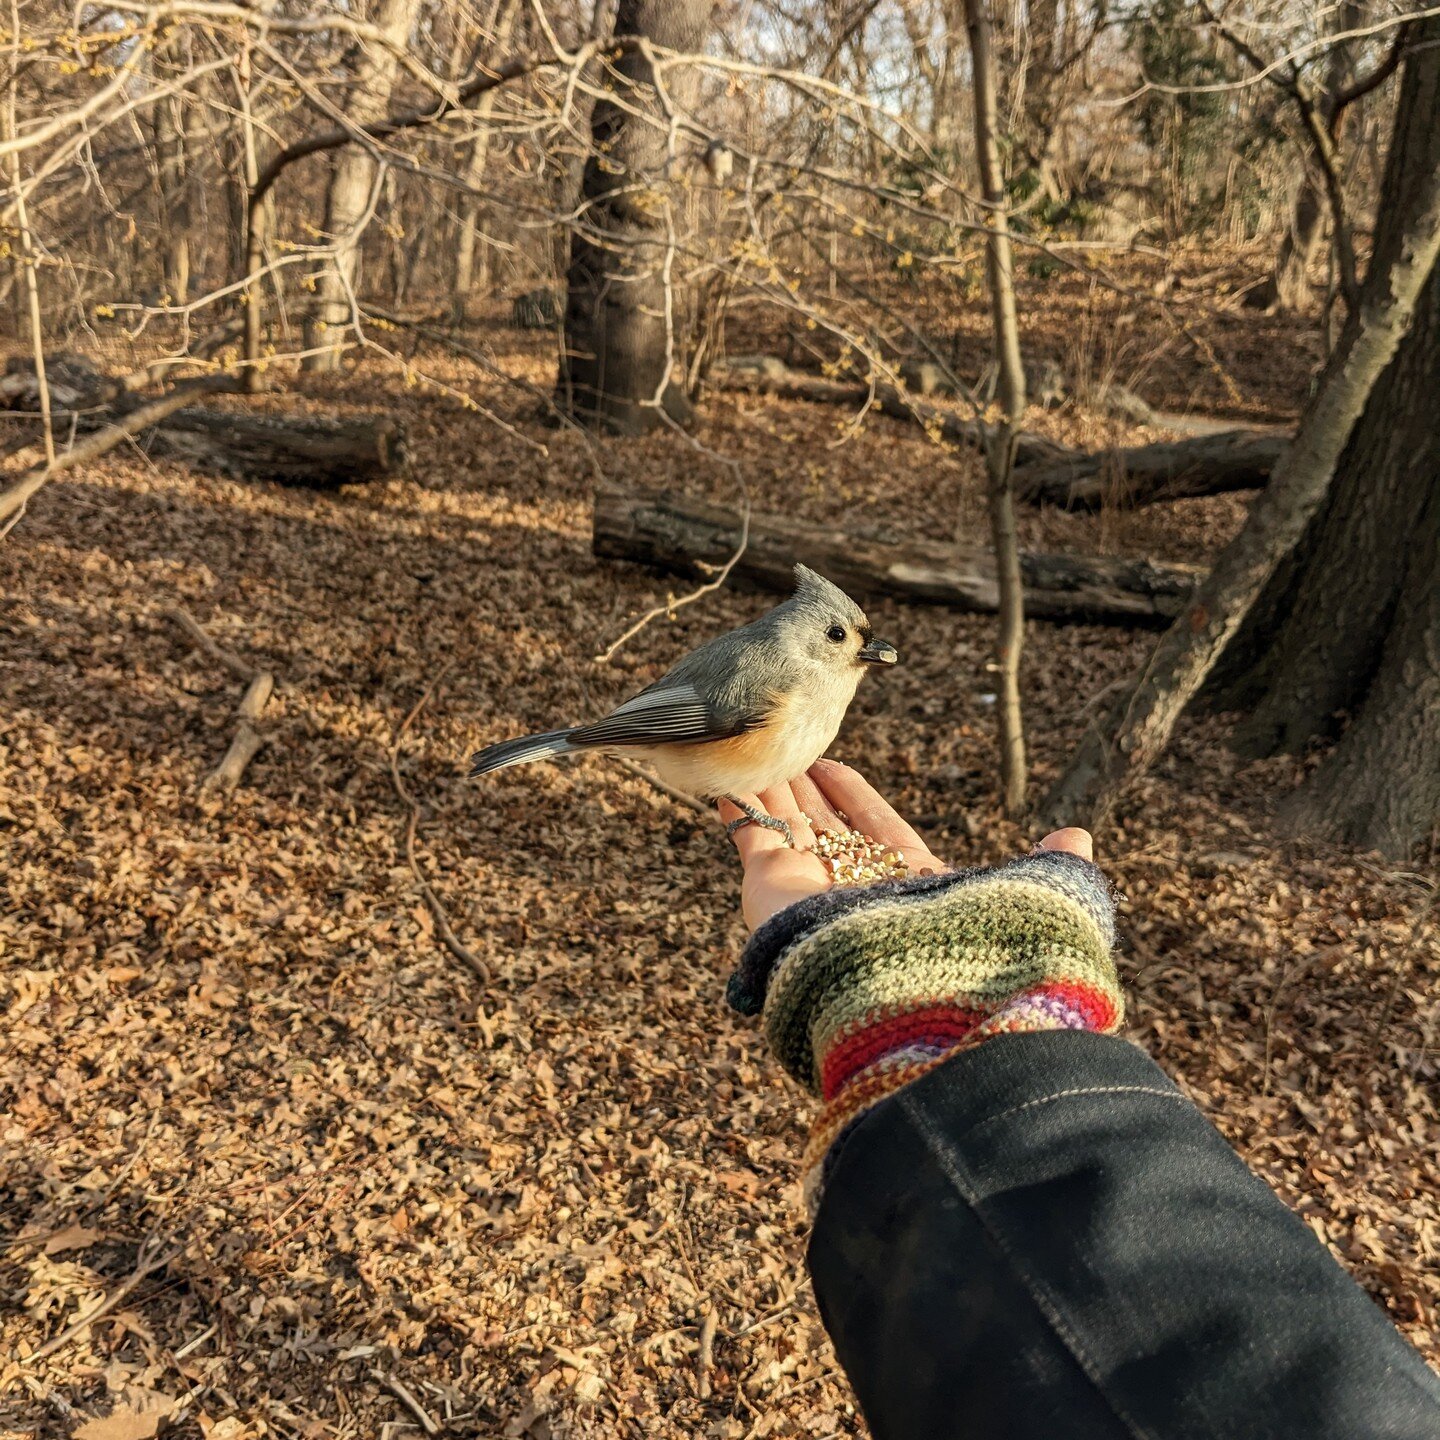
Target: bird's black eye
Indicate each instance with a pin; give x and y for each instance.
(836, 633)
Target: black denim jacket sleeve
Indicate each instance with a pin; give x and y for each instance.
(1043, 1239)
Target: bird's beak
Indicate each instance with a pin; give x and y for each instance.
(879, 652)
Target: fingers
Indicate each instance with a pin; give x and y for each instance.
(850, 793)
(817, 809)
(753, 841)
(1072, 839)
(775, 875)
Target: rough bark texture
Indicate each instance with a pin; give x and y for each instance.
(614, 368)
(1310, 646)
(1138, 728)
(690, 538)
(351, 184)
(1152, 474)
(1380, 787)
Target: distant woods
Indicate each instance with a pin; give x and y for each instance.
(447, 155)
(231, 194)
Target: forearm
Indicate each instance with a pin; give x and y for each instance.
(1043, 1236)
(1023, 1228)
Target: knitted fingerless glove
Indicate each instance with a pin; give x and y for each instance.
(863, 989)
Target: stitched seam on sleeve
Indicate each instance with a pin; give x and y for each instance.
(939, 1149)
(1078, 1090)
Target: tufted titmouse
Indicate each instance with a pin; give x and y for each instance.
(754, 708)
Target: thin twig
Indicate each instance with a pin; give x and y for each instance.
(249, 740)
(190, 1346)
(259, 685)
(406, 1396)
(705, 1357)
(437, 911)
(147, 1263)
(656, 611)
(228, 658)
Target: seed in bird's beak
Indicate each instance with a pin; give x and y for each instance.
(879, 652)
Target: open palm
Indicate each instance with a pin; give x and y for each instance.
(830, 796)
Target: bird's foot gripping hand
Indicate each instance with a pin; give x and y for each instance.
(862, 990)
(749, 815)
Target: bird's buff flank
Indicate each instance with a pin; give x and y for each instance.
(864, 989)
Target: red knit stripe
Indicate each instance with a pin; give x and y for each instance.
(1095, 1007)
(941, 1024)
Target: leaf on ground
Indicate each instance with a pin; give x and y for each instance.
(72, 1237)
(138, 1418)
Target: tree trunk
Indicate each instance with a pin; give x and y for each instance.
(1351, 624)
(311, 452)
(1139, 727)
(314, 451)
(1153, 474)
(615, 365)
(174, 163)
(692, 539)
(1311, 645)
(1380, 787)
(1001, 444)
(471, 206)
(352, 184)
(1288, 286)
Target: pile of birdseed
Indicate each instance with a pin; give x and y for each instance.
(851, 858)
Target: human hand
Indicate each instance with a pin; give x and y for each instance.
(833, 797)
(863, 989)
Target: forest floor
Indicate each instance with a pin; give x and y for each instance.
(323, 1177)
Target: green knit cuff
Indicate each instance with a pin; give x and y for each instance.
(926, 963)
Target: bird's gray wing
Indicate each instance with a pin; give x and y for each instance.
(668, 713)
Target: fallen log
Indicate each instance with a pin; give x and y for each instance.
(691, 538)
(14, 500)
(772, 378)
(318, 452)
(1152, 474)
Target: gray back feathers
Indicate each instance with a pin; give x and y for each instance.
(740, 672)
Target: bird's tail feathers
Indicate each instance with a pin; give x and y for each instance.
(521, 751)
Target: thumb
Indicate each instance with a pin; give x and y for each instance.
(1072, 840)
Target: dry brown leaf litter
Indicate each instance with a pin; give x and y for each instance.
(229, 1027)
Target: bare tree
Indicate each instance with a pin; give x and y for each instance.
(1324, 112)
(619, 328)
(467, 234)
(1349, 624)
(1001, 444)
(1138, 728)
(351, 195)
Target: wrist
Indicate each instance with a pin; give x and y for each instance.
(864, 990)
